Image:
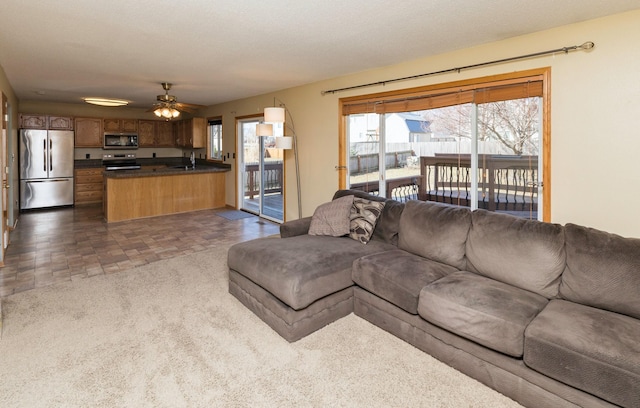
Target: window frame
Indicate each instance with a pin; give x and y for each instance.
(215, 121)
(393, 99)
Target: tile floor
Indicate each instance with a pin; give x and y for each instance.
(59, 245)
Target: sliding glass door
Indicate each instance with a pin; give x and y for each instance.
(260, 173)
(477, 146)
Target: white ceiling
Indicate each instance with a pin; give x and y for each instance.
(222, 50)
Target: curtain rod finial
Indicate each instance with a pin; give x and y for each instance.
(587, 45)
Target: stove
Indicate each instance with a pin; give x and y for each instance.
(120, 161)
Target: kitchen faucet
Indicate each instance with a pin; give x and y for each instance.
(192, 158)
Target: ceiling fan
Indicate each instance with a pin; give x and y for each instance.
(168, 107)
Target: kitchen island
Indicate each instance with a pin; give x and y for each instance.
(133, 194)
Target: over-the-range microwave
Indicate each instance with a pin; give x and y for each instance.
(120, 140)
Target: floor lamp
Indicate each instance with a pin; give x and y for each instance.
(278, 114)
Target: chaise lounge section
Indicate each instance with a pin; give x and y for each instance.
(546, 314)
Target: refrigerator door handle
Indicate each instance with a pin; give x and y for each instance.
(44, 154)
(50, 155)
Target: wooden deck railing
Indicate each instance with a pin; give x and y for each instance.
(400, 189)
(505, 183)
(272, 179)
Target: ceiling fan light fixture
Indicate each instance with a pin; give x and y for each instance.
(166, 112)
(106, 101)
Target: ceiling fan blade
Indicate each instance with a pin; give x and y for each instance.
(182, 105)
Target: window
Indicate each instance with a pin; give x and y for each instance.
(215, 139)
(474, 143)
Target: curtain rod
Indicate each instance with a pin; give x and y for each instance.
(584, 46)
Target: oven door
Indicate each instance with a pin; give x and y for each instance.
(114, 167)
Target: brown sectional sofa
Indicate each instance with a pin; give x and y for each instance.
(548, 315)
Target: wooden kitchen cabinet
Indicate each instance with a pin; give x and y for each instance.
(60, 123)
(120, 125)
(89, 186)
(164, 134)
(155, 133)
(33, 121)
(129, 198)
(88, 132)
(30, 121)
(147, 133)
(191, 133)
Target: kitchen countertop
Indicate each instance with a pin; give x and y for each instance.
(175, 165)
(168, 171)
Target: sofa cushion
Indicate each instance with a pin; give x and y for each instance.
(295, 227)
(332, 218)
(435, 231)
(363, 218)
(591, 349)
(388, 224)
(386, 229)
(603, 270)
(398, 276)
(480, 309)
(528, 254)
(302, 269)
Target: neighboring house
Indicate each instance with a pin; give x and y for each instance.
(406, 127)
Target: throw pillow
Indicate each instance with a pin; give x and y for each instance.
(332, 218)
(363, 218)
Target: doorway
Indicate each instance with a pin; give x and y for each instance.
(260, 172)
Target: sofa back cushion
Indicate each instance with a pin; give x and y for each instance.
(435, 231)
(603, 270)
(387, 226)
(524, 253)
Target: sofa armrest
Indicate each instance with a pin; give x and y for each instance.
(295, 227)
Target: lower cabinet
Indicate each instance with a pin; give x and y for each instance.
(89, 186)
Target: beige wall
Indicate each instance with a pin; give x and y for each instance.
(595, 138)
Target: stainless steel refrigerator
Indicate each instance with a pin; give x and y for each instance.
(46, 168)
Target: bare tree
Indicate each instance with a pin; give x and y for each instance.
(513, 123)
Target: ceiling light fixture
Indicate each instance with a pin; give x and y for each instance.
(166, 112)
(106, 101)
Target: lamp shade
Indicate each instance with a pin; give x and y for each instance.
(274, 114)
(284, 142)
(264, 129)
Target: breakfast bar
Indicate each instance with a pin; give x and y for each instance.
(160, 191)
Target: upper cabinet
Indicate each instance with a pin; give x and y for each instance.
(60, 123)
(147, 133)
(191, 133)
(29, 121)
(33, 121)
(164, 134)
(120, 125)
(89, 132)
(155, 133)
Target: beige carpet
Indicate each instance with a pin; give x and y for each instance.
(168, 334)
